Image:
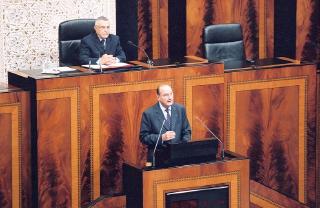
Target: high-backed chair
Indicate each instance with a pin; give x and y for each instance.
(223, 42)
(70, 34)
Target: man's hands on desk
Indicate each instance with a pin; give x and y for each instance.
(168, 135)
(108, 59)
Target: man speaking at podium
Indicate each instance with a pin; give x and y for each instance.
(166, 116)
(101, 47)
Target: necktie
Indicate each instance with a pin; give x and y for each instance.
(103, 43)
(168, 120)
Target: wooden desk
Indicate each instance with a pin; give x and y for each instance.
(147, 187)
(15, 168)
(270, 117)
(86, 125)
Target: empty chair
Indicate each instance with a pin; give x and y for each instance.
(223, 42)
(70, 34)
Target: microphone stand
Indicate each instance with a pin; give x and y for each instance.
(90, 65)
(205, 126)
(149, 61)
(100, 66)
(155, 147)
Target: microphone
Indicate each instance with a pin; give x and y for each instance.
(205, 126)
(100, 66)
(90, 65)
(155, 147)
(149, 61)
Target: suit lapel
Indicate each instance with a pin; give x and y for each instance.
(160, 116)
(99, 46)
(108, 45)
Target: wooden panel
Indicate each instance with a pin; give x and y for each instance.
(268, 119)
(206, 12)
(112, 202)
(195, 25)
(271, 140)
(159, 28)
(256, 18)
(9, 157)
(58, 148)
(269, 28)
(116, 128)
(104, 110)
(262, 27)
(15, 183)
(163, 24)
(260, 197)
(232, 173)
(111, 145)
(204, 104)
(307, 33)
(145, 28)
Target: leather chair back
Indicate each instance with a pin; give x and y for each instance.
(70, 34)
(223, 42)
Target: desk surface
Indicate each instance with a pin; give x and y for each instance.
(229, 66)
(258, 64)
(4, 88)
(138, 66)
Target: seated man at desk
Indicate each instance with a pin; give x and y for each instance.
(167, 116)
(101, 47)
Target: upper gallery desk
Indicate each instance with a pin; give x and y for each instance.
(85, 124)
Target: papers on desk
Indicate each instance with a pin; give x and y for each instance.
(110, 66)
(57, 70)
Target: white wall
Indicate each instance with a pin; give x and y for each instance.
(29, 29)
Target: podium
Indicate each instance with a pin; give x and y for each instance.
(219, 183)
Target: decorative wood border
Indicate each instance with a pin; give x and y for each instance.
(155, 4)
(262, 28)
(95, 92)
(301, 82)
(263, 202)
(161, 187)
(15, 110)
(73, 94)
(190, 82)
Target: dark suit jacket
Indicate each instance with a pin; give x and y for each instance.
(92, 49)
(152, 120)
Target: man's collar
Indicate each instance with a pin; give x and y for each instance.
(164, 108)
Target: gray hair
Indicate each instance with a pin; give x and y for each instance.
(101, 18)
